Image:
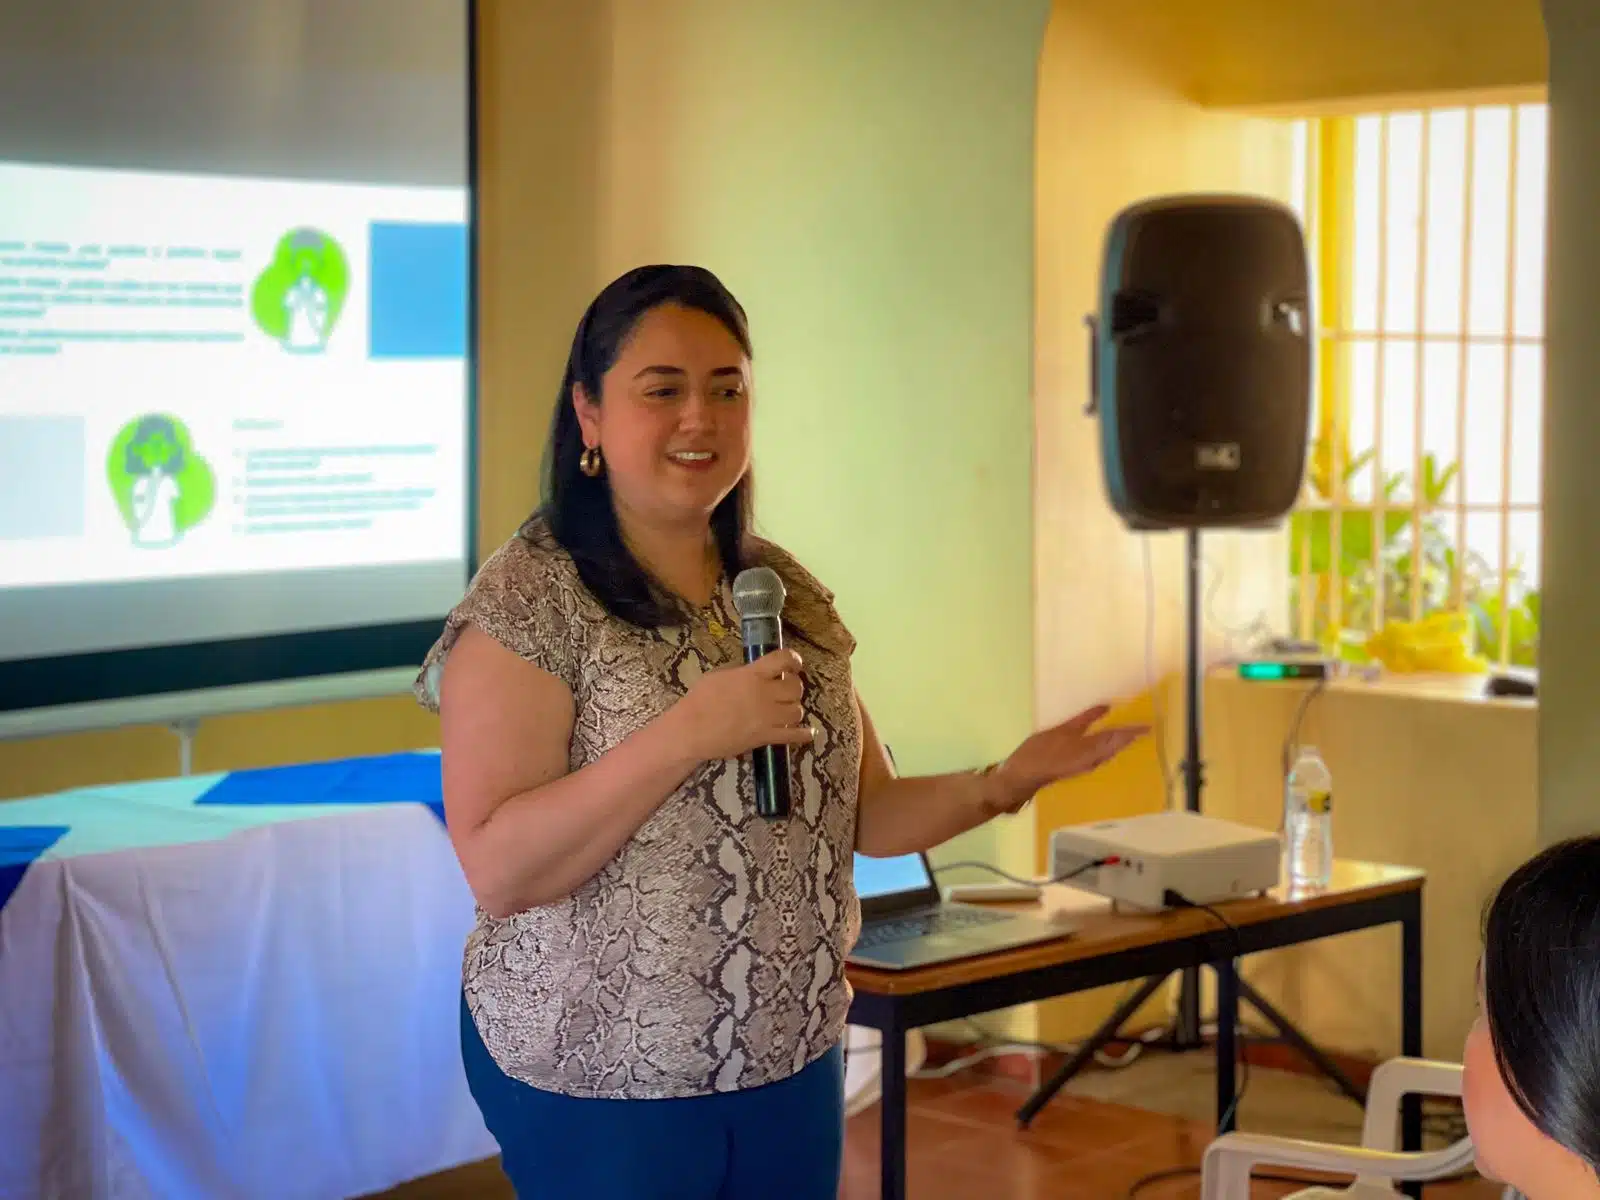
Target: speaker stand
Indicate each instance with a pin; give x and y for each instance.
(1185, 1033)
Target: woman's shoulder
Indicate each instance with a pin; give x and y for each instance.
(530, 569)
(527, 596)
(808, 605)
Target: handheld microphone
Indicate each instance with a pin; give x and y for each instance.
(758, 596)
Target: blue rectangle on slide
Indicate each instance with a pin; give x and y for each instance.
(43, 484)
(405, 778)
(418, 290)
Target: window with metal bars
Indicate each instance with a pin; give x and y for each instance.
(1422, 491)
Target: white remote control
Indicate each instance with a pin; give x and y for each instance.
(991, 893)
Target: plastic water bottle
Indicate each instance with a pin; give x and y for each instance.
(1308, 823)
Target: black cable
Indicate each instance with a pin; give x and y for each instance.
(1017, 879)
(1291, 743)
(1241, 1060)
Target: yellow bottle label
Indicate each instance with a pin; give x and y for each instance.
(1319, 802)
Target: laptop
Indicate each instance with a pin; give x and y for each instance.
(905, 923)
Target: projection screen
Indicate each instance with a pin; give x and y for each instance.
(236, 343)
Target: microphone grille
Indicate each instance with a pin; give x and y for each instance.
(758, 592)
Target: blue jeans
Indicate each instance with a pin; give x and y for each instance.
(784, 1139)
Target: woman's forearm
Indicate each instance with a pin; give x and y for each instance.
(901, 816)
(543, 844)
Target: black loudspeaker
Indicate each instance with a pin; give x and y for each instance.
(1200, 362)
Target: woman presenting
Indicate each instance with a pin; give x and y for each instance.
(654, 994)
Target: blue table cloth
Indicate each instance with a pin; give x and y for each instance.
(408, 778)
(197, 808)
(20, 845)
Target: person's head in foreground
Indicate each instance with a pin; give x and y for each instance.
(1532, 1060)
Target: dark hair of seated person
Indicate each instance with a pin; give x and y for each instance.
(1541, 992)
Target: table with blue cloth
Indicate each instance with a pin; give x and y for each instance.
(238, 985)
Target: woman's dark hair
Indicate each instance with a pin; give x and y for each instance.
(1541, 992)
(577, 507)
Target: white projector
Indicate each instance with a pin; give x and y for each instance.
(1167, 858)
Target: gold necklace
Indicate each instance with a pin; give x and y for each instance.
(707, 612)
(713, 618)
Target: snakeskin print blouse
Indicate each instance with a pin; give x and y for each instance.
(708, 954)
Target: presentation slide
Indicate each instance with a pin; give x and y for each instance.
(223, 376)
(235, 303)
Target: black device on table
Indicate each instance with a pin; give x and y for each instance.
(1511, 681)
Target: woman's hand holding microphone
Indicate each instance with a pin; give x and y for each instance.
(732, 710)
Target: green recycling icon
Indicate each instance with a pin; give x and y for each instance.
(297, 299)
(162, 486)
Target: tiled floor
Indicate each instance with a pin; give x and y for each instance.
(1094, 1143)
(964, 1144)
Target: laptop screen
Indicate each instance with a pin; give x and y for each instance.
(888, 876)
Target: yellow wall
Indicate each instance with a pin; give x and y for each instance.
(1569, 735)
(1112, 130)
(1464, 788)
(542, 139)
(1426, 779)
(1314, 53)
(1448, 785)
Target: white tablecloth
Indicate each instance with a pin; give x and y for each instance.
(220, 1003)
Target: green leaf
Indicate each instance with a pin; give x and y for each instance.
(1522, 620)
(1435, 482)
(1356, 463)
(1355, 538)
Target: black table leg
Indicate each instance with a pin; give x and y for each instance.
(892, 1152)
(1411, 1024)
(1227, 1048)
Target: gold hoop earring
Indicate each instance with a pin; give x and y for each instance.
(590, 461)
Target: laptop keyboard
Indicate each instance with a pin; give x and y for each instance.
(942, 920)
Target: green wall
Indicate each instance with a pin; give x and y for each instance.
(862, 176)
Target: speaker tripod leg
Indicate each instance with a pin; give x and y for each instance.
(1097, 1040)
(1300, 1042)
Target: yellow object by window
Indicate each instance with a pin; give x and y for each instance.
(1439, 643)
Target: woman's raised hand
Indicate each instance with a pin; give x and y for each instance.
(1071, 748)
(732, 710)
